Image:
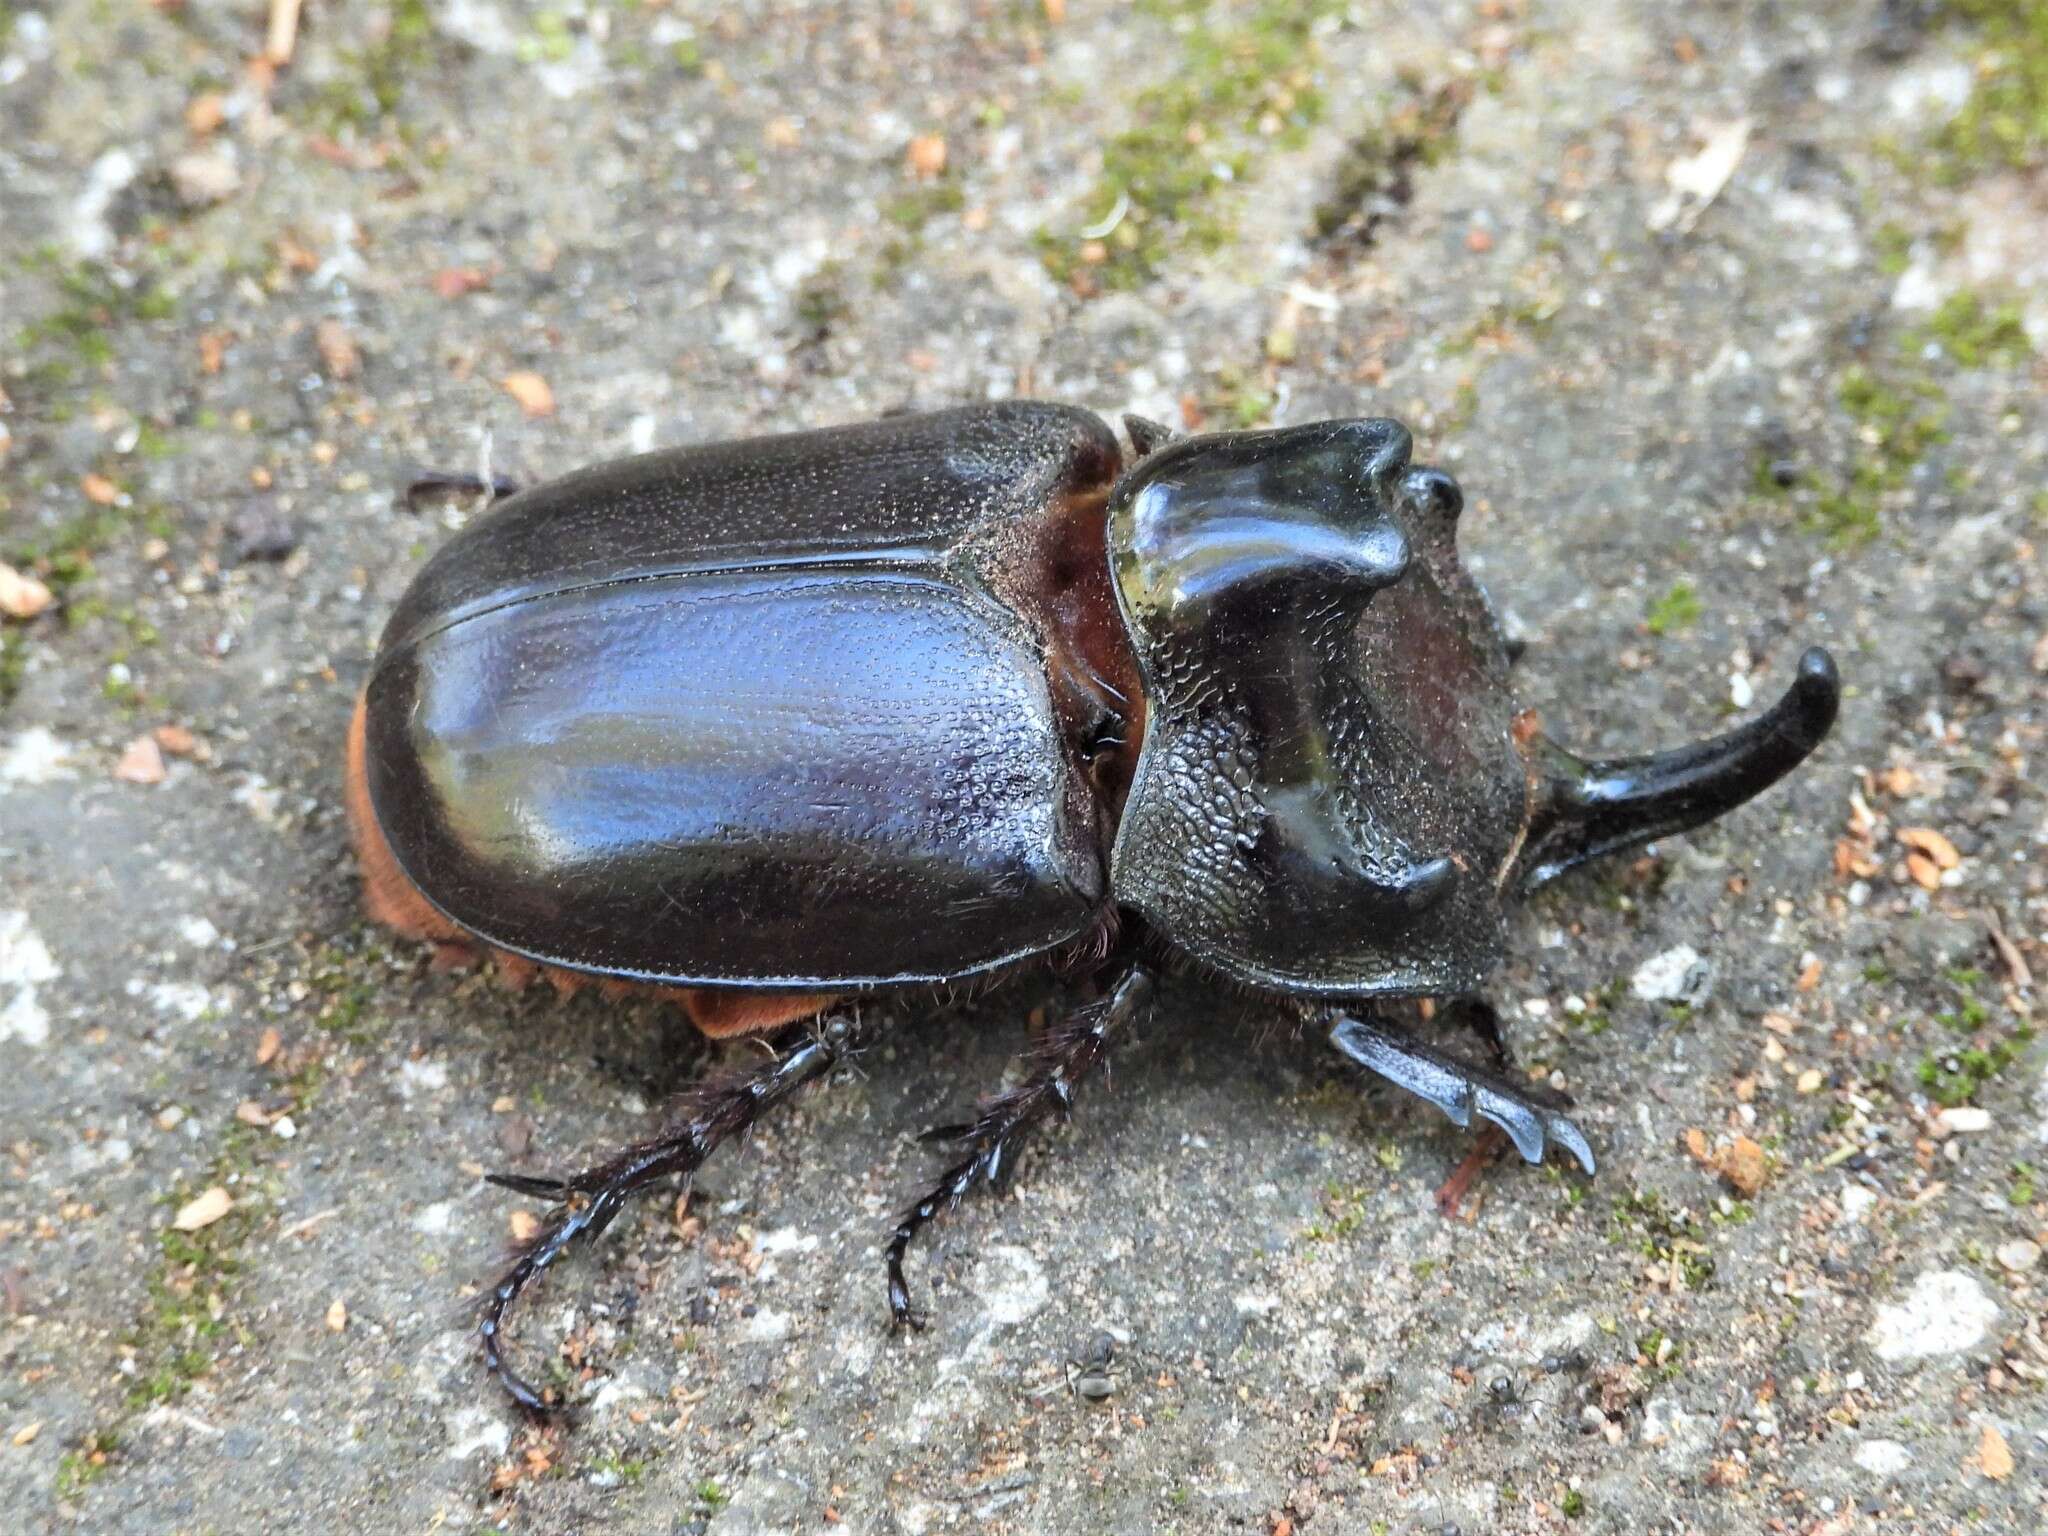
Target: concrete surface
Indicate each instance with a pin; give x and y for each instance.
(1734, 346)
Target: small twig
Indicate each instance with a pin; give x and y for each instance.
(2015, 962)
(284, 32)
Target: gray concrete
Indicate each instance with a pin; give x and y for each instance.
(693, 230)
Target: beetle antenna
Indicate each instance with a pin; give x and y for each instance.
(1582, 809)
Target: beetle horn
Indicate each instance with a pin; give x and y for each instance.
(1585, 809)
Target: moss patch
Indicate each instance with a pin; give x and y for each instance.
(1238, 81)
(1676, 610)
(2004, 124)
(1379, 164)
(1974, 333)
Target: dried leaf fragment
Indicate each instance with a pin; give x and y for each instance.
(21, 596)
(1743, 1165)
(338, 353)
(203, 1210)
(99, 490)
(454, 282)
(1924, 871)
(1930, 842)
(268, 1046)
(926, 157)
(531, 391)
(28, 1432)
(176, 740)
(205, 113)
(1994, 1456)
(525, 1226)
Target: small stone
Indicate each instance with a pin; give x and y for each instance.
(1883, 1458)
(1678, 975)
(531, 391)
(206, 176)
(268, 1045)
(926, 157)
(21, 597)
(141, 763)
(337, 1315)
(2019, 1255)
(1964, 1119)
(203, 1210)
(1945, 1313)
(205, 113)
(338, 352)
(262, 532)
(1810, 1080)
(176, 740)
(170, 1117)
(524, 1225)
(27, 1433)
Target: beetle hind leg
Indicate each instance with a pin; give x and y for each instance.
(1060, 1061)
(1534, 1122)
(711, 1114)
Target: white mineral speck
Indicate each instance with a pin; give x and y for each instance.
(1883, 1458)
(1945, 1313)
(34, 756)
(1678, 975)
(25, 964)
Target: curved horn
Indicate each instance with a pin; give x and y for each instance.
(1585, 809)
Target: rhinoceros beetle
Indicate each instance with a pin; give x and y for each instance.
(770, 727)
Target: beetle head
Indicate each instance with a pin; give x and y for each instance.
(1334, 793)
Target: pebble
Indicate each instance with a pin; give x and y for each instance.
(2019, 1255)
(1678, 975)
(206, 176)
(1945, 1313)
(1962, 1119)
(25, 964)
(1883, 1458)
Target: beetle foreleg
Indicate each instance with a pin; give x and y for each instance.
(430, 483)
(1061, 1060)
(710, 1114)
(1459, 1089)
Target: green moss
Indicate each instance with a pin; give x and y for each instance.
(1898, 423)
(1234, 85)
(2022, 1191)
(1343, 1214)
(2004, 124)
(77, 332)
(1573, 1503)
(1957, 1076)
(1644, 1220)
(1974, 334)
(377, 76)
(1676, 610)
(78, 1469)
(1379, 162)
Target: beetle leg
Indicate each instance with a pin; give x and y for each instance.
(1066, 1055)
(1460, 1089)
(429, 483)
(710, 1114)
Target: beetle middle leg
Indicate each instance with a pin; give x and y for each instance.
(1531, 1118)
(1069, 1051)
(710, 1114)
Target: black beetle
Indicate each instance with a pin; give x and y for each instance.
(771, 726)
